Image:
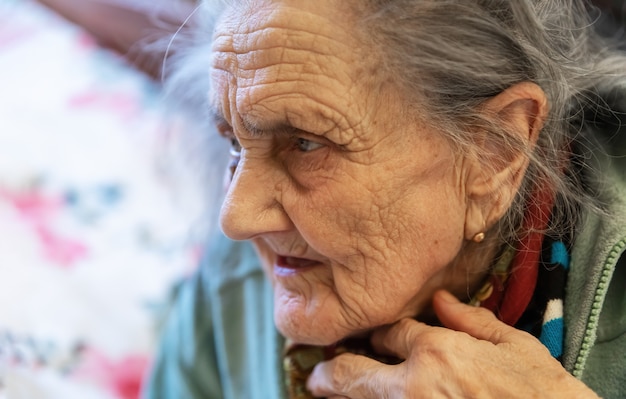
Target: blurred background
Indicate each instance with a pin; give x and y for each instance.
(99, 209)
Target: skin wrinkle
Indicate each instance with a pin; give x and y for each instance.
(325, 107)
(253, 57)
(326, 110)
(365, 210)
(273, 23)
(332, 37)
(371, 249)
(333, 83)
(275, 35)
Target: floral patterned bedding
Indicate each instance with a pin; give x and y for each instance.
(96, 220)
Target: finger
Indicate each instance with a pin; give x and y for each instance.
(475, 321)
(397, 339)
(352, 376)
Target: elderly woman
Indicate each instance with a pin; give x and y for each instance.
(435, 191)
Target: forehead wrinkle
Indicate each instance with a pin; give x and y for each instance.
(299, 83)
(304, 111)
(298, 23)
(261, 26)
(304, 72)
(272, 48)
(260, 117)
(222, 52)
(273, 61)
(287, 27)
(274, 37)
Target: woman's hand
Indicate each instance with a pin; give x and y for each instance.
(476, 355)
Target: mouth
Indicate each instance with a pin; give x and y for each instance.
(291, 264)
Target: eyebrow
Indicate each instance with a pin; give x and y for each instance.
(271, 129)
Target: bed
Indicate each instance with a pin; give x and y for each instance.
(98, 218)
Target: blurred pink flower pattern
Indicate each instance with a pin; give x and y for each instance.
(92, 233)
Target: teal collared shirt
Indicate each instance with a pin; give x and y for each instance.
(219, 340)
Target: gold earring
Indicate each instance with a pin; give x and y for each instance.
(478, 237)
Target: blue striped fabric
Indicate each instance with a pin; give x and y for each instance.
(553, 271)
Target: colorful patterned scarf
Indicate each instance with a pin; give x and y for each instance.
(541, 312)
(527, 285)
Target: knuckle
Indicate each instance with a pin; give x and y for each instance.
(395, 330)
(496, 330)
(341, 372)
(405, 324)
(401, 330)
(435, 337)
(496, 334)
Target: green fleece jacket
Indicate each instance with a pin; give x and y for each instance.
(595, 301)
(220, 340)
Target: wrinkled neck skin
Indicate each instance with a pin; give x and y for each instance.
(472, 265)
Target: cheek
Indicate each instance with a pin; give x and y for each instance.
(354, 224)
(433, 227)
(333, 221)
(389, 245)
(368, 242)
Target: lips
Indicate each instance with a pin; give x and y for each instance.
(290, 262)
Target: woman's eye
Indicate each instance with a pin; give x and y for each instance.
(305, 145)
(235, 156)
(235, 147)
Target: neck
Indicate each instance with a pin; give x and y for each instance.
(467, 273)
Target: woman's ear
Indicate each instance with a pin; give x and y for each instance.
(496, 169)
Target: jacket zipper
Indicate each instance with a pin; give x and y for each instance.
(598, 300)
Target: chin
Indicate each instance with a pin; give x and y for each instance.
(307, 330)
(314, 322)
(310, 336)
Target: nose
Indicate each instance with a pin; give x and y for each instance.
(252, 207)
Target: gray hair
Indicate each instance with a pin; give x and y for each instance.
(457, 54)
(450, 56)
(186, 85)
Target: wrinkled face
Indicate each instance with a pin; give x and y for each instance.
(356, 209)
